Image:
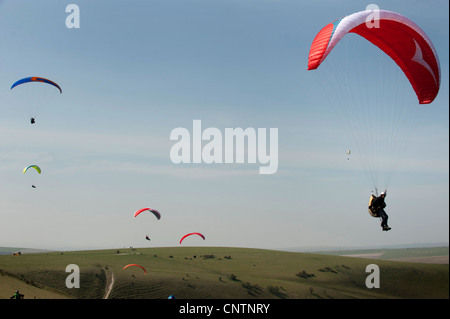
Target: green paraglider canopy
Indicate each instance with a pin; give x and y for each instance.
(37, 168)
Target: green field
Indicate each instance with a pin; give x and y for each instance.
(216, 272)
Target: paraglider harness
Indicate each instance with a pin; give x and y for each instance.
(373, 211)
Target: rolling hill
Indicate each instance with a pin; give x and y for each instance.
(216, 273)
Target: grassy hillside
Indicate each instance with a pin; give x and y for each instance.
(217, 272)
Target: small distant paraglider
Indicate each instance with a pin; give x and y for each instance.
(348, 154)
(37, 168)
(190, 234)
(135, 265)
(30, 95)
(32, 79)
(154, 211)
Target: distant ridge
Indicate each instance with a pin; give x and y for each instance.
(306, 249)
(372, 247)
(11, 250)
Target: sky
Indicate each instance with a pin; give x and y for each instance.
(134, 71)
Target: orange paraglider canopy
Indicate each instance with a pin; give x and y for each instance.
(135, 265)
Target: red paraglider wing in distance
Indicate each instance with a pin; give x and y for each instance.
(190, 235)
(135, 265)
(154, 211)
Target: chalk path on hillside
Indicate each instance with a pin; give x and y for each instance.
(109, 282)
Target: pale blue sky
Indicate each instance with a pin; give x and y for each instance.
(136, 70)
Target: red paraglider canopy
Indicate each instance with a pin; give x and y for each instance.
(397, 36)
(182, 238)
(154, 211)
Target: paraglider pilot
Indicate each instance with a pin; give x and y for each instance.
(16, 295)
(378, 205)
(32, 120)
